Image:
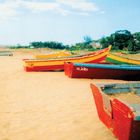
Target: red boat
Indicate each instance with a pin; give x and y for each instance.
(102, 71)
(118, 107)
(58, 63)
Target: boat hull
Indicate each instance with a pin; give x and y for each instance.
(102, 71)
(122, 118)
(58, 64)
(6, 53)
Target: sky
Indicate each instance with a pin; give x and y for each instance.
(66, 21)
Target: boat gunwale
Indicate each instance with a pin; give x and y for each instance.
(108, 66)
(103, 52)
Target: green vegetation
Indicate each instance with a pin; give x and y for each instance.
(86, 45)
(51, 45)
(121, 40)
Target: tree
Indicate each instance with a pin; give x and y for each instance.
(122, 39)
(88, 39)
(36, 44)
(106, 41)
(136, 37)
(51, 44)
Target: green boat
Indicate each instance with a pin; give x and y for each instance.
(116, 59)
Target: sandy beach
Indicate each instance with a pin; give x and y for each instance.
(46, 105)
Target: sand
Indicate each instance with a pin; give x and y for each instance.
(46, 105)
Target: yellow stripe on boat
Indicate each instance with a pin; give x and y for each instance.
(60, 61)
(123, 60)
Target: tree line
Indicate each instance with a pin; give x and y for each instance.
(120, 40)
(40, 44)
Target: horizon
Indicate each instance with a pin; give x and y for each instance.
(67, 22)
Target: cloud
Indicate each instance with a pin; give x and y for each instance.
(81, 5)
(40, 6)
(10, 9)
(37, 7)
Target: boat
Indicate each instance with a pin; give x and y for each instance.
(62, 54)
(58, 63)
(118, 59)
(118, 107)
(102, 71)
(6, 53)
(53, 55)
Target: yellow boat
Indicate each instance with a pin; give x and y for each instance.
(53, 55)
(58, 63)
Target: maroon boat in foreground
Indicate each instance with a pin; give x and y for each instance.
(102, 71)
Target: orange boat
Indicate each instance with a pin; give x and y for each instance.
(58, 63)
(118, 107)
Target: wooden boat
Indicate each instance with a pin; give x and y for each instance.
(53, 55)
(58, 64)
(102, 71)
(116, 59)
(6, 53)
(118, 107)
